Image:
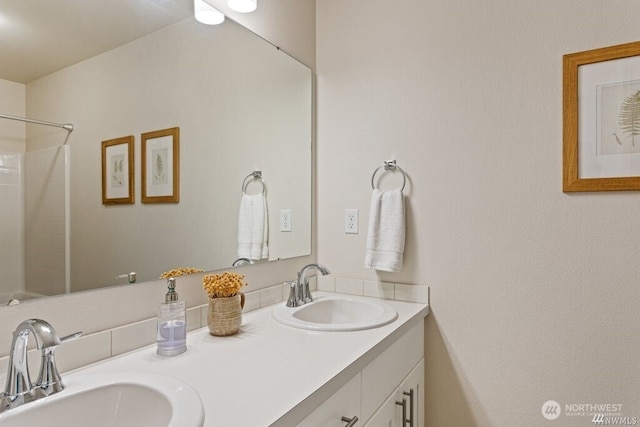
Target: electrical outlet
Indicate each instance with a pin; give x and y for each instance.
(285, 220)
(351, 221)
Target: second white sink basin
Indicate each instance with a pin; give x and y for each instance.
(123, 400)
(337, 313)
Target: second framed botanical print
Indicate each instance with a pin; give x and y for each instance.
(117, 171)
(160, 166)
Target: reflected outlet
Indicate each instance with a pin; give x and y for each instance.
(285, 220)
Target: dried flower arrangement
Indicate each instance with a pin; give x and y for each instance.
(223, 285)
(182, 271)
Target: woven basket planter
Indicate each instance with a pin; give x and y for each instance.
(225, 315)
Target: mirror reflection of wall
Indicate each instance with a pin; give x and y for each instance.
(241, 105)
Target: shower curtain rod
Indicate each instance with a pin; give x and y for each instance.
(67, 126)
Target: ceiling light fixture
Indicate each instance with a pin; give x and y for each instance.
(206, 13)
(243, 6)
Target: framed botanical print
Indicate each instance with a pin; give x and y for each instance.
(601, 119)
(160, 166)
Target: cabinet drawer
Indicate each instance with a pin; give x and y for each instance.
(344, 403)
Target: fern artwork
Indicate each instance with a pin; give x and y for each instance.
(629, 117)
(619, 118)
(159, 165)
(117, 170)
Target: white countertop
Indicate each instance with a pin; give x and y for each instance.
(267, 374)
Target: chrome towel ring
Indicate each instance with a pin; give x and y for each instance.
(253, 175)
(392, 166)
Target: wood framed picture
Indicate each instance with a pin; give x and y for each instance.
(601, 119)
(161, 166)
(117, 171)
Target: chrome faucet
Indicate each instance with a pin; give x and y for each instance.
(19, 389)
(242, 261)
(300, 293)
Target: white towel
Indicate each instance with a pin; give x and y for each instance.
(385, 238)
(253, 227)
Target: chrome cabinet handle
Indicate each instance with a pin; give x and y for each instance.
(350, 421)
(410, 394)
(406, 421)
(404, 411)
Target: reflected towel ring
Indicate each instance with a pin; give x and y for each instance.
(389, 165)
(253, 175)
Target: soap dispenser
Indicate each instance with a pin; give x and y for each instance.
(172, 325)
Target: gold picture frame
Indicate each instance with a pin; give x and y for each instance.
(160, 166)
(117, 171)
(601, 91)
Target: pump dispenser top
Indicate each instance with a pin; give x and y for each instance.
(172, 295)
(172, 326)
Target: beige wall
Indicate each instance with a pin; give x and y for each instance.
(288, 24)
(12, 103)
(534, 292)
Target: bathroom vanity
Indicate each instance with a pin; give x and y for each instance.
(271, 374)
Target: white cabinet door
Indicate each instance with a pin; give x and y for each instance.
(344, 403)
(382, 376)
(386, 415)
(412, 392)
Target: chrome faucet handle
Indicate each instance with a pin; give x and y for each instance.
(292, 301)
(306, 292)
(49, 380)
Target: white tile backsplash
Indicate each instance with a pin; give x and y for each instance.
(134, 336)
(349, 286)
(83, 351)
(270, 296)
(251, 302)
(379, 289)
(327, 283)
(193, 319)
(412, 293)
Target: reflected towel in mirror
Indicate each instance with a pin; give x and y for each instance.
(253, 227)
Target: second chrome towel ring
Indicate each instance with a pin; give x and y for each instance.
(253, 175)
(389, 165)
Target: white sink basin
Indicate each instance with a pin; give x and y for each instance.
(123, 400)
(336, 313)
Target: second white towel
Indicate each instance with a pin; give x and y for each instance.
(386, 234)
(253, 227)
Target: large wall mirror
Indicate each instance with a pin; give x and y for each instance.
(240, 104)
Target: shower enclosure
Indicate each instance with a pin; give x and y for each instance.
(34, 223)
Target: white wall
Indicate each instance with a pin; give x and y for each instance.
(534, 292)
